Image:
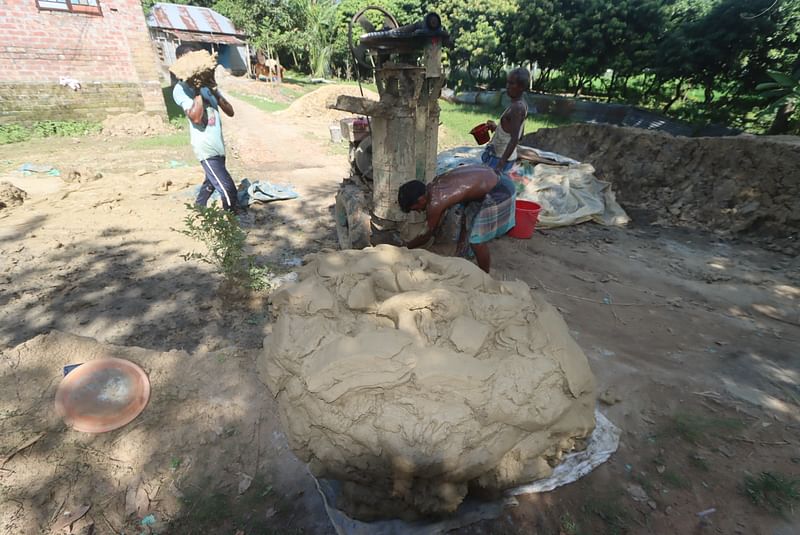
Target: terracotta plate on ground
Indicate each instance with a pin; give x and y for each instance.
(102, 395)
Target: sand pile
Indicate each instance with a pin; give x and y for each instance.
(193, 64)
(410, 376)
(315, 104)
(135, 124)
(11, 196)
(747, 186)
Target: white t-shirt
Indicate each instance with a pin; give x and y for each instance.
(207, 141)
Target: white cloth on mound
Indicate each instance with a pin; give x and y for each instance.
(568, 194)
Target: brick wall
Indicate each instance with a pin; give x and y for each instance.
(26, 102)
(110, 55)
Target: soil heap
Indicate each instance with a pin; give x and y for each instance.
(744, 186)
(409, 376)
(315, 104)
(11, 196)
(193, 64)
(135, 124)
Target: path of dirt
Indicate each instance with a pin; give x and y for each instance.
(680, 328)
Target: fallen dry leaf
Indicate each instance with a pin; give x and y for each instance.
(69, 517)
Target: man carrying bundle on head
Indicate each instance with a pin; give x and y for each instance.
(200, 98)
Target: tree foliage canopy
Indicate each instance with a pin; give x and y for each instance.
(665, 53)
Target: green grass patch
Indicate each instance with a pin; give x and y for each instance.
(643, 482)
(210, 510)
(365, 84)
(459, 119)
(15, 133)
(773, 492)
(261, 103)
(292, 93)
(568, 525)
(178, 139)
(611, 511)
(675, 480)
(698, 462)
(304, 81)
(693, 428)
(175, 114)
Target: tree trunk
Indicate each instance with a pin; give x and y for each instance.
(675, 97)
(530, 70)
(709, 92)
(544, 75)
(579, 86)
(655, 85)
(610, 88)
(781, 124)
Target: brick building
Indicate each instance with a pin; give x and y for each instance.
(48, 45)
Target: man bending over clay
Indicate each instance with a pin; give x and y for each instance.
(488, 201)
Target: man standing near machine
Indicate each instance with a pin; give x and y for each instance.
(488, 200)
(501, 152)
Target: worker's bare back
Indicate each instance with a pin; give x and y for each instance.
(462, 184)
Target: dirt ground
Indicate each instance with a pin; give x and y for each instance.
(686, 332)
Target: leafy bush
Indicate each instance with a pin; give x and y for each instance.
(14, 133)
(224, 239)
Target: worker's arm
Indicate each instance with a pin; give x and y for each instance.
(516, 118)
(433, 215)
(420, 240)
(209, 81)
(195, 113)
(190, 101)
(224, 105)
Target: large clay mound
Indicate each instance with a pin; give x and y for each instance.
(410, 376)
(193, 64)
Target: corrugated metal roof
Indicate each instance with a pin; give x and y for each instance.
(190, 18)
(206, 38)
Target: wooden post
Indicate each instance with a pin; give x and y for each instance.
(249, 66)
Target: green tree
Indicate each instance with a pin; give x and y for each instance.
(631, 39)
(585, 38)
(271, 25)
(784, 93)
(539, 32)
(316, 30)
(714, 42)
(405, 11)
(477, 28)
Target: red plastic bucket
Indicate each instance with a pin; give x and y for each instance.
(481, 133)
(526, 215)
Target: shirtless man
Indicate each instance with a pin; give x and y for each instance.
(488, 201)
(501, 152)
